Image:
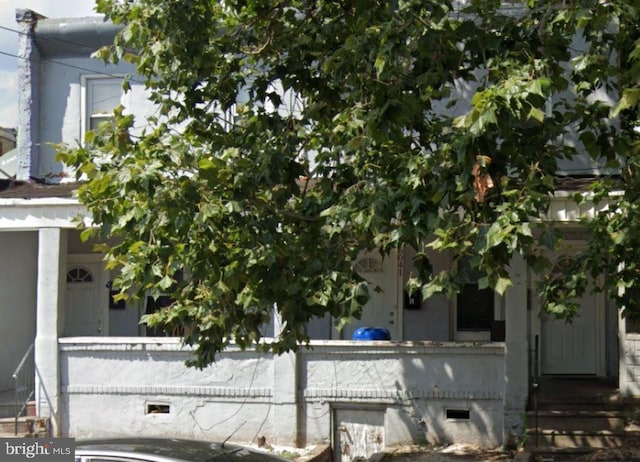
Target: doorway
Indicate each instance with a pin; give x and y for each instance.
(575, 348)
(86, 297)
(381, 309)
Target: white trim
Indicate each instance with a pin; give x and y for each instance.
(563, 208)
(627, 383)
(476, 335)
(400, 294)
(319, 347)
(86, 81)
(472, 336)
(33, 214)
(396, 333)
(588, 195)
(38, 201)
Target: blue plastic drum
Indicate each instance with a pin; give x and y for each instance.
(371, 333)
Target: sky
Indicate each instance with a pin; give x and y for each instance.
(9, 45)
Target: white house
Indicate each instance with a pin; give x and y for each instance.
(455, 370)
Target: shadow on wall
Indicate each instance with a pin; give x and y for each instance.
(448, 401)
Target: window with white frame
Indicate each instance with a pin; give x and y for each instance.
(101, 95)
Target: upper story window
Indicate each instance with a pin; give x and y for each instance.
(101, 95)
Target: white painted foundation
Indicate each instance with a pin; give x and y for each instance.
(115, 386)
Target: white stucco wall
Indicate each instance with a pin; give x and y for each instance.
(61, 105)
(433, 320)
(107, 385)
(17, 299)
(415, 383)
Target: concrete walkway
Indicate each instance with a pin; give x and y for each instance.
(415, 453)
(449, 454)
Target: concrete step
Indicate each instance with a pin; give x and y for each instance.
(604, 400)
(572, 416)
(575, 429)
(629, 450)
(583, 441)
(577, 421)
(562, 455)
(28, 426)
(561, 390)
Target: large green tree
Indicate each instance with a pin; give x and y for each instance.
(293, 135)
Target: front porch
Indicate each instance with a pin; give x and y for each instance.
(428, 384)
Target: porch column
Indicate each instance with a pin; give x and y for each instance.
(285, 392)
(52, 251)
(516, 358)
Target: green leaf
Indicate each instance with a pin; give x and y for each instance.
(502, 285)
(379, 65)
(629, 99)
(165, 283)
(537, 114)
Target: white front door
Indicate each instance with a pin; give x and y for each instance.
(84, 315)
(576, 347)
(381, 310)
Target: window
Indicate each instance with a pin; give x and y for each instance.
(101, 95)
(79, 274)
(475, 308)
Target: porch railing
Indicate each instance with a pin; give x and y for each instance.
(534, 387)
(24, 384)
